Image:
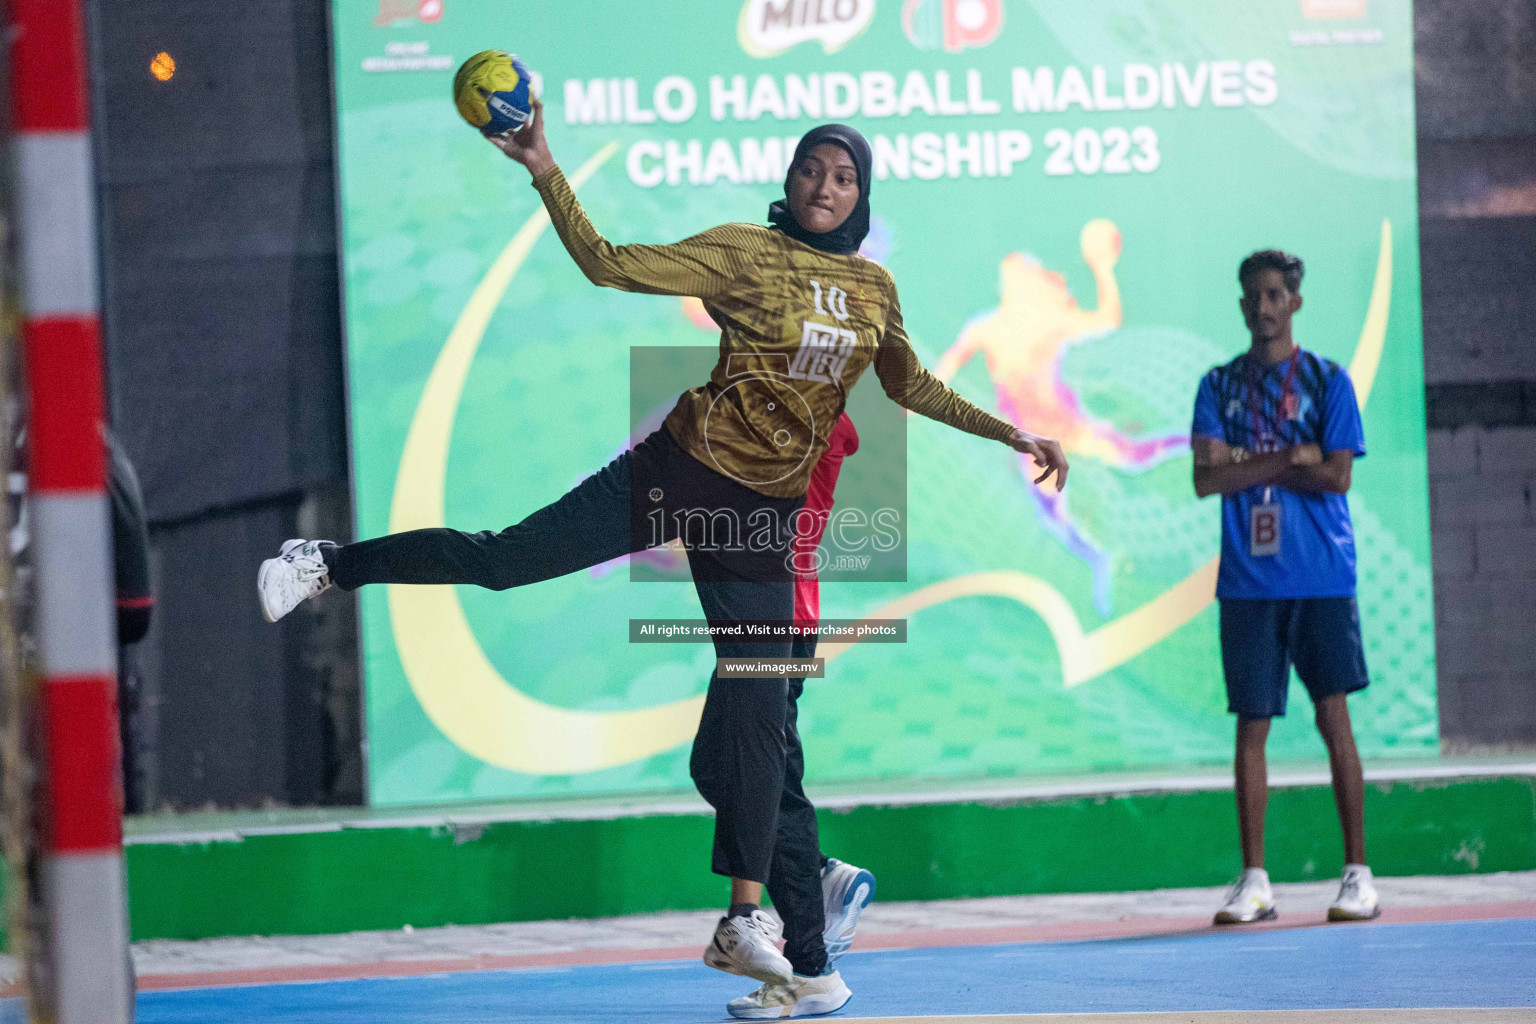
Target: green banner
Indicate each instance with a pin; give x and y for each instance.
(1063, 192)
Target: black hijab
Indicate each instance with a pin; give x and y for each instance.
(849, 235)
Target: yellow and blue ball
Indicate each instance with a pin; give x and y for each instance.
(491, 90)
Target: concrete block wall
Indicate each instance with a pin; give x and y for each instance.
(1476, 103)
(1484, 534)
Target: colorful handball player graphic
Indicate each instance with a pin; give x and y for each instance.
(1025, 341)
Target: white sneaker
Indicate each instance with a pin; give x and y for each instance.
(802, 997)
(845, 892)
(1357, 896)
(747, 946)
(1250, 899)
(297, 574)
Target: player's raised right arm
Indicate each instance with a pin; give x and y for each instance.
(703, 265)
(1101, 244)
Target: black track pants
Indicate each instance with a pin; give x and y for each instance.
(764, 833)
(746, 759)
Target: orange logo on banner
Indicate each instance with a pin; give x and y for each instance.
(953, 24)
(1333, 8)
(391, 11)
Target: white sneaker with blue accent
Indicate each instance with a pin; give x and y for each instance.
(749, 946)
(1357, 900)
(802, 997)
(845, 892)
(297, 574)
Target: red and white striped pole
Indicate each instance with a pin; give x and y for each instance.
(82, 874)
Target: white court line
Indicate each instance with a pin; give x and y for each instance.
(662, 967)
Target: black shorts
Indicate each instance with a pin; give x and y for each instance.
(1261, 640)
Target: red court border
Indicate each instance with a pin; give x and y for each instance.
(1069, 931)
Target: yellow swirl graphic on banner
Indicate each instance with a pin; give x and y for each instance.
(490, 719)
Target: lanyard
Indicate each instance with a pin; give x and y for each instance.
(1255, 403)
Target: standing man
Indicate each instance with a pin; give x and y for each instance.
(1276, 432)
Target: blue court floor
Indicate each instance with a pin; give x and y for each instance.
(1465, 963)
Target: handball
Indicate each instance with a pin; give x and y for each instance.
(1100, 242)
(491, 90)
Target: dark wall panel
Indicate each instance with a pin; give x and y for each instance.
(222, 318)
(226, 388)
(1479, 299)
(1476, 79)
(1475, 61)
(231, 730)
(224, 357)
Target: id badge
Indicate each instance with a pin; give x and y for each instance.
(1264, 529)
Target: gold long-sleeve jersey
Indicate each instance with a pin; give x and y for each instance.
(798, 326)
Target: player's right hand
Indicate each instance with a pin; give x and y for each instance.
(527, 145)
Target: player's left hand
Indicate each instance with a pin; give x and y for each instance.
(1306, 455)
(1046, 453)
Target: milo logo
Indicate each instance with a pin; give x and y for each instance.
(767, 28)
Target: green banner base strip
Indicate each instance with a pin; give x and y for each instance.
(374, 878)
